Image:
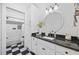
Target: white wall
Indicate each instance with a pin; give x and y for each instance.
(36, 15)
(0, 30)
(67, 11)
(27, 26)
(14, 36)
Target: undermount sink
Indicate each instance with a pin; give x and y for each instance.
(48, 38)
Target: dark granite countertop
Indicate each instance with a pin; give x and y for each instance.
(64, 43)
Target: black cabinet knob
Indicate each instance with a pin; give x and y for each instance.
(43, 48)
(66, 52)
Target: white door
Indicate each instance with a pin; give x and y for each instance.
(13, 34)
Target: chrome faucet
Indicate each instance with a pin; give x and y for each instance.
(54, 33)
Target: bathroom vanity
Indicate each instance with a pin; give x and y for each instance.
(46, 46)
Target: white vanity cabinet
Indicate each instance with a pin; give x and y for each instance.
(45, 48)
(65, 51)
(41, 47)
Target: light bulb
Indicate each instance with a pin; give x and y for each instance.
(76, 23)
(47, 11)
(55, 7)
(50, 10)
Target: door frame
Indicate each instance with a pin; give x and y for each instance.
(3, 31)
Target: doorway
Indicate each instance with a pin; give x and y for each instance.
(15, 32)
(15, 38)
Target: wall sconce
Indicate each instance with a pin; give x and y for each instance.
(52, 8)
(47, 11)
(55, 7)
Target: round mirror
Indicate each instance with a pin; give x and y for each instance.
(54, 22)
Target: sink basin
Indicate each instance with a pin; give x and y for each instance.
(48, 38)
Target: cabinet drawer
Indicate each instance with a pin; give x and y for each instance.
(73, 52)
(45, 50)
(40, 53)
(58, 53)
(66, 51)
(47, 44)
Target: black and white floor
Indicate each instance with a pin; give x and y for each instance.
(17, 49)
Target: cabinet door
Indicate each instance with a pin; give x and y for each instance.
(45, 50)
(34, 45)
(47, 44)
(66, 51)
(72, 52)
(45, 47)
(61, 50)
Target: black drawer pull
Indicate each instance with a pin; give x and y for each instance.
(66, 52)
(43, 48)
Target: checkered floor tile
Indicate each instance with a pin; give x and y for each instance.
(18, 49)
